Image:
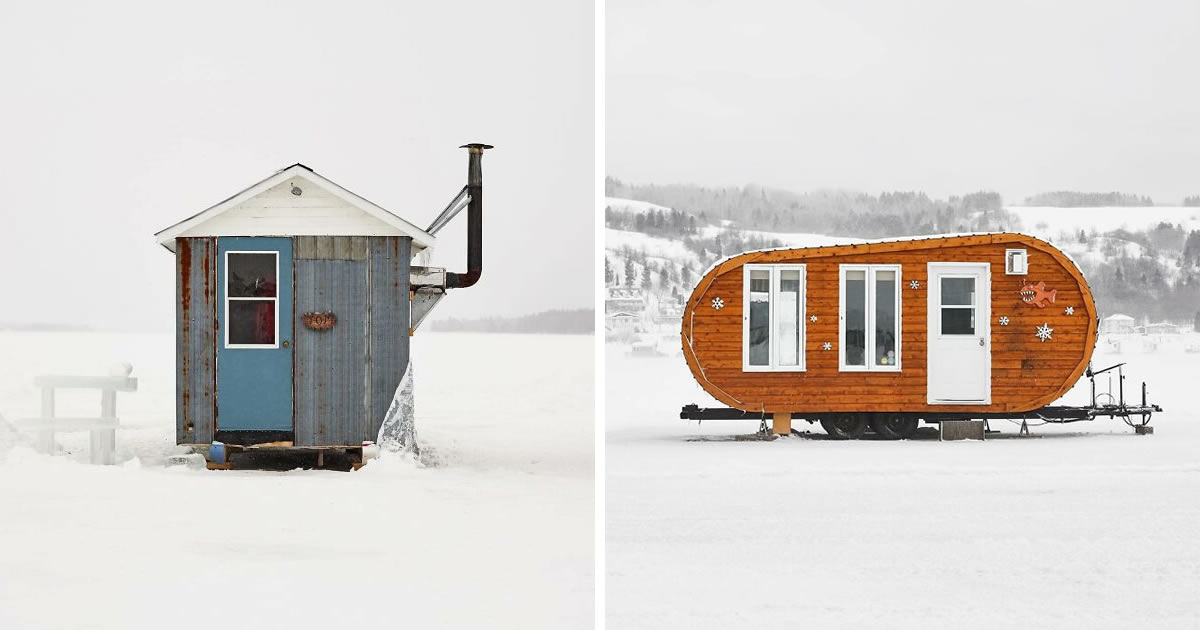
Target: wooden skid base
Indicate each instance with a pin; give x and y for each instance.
(285, 457)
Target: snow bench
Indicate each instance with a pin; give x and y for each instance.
(103, 428)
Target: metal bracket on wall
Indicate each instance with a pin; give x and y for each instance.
(428, 288)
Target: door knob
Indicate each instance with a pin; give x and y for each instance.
(288, 344)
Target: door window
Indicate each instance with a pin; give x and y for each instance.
(251, 293)
(957, 305)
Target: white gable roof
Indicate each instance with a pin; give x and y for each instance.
(270, 208)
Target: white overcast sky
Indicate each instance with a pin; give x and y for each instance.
(947, 97)
(118, 119)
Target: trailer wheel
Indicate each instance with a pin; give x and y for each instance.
(847, 427)
(894, 427)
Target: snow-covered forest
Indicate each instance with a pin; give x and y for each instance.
(1141, 261)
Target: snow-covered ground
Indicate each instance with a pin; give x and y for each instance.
(496, 531)
(1081, 526)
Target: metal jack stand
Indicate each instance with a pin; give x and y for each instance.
(1024, 429)
(764, 432)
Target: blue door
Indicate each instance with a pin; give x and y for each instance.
(254, 342)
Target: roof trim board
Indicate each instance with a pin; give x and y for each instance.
(421, 238)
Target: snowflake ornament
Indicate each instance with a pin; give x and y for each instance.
(915, 284)
(827, 346)
(1070, 310)
(1044, 331)
(1004, 320)
(812, 318)
(718, 303)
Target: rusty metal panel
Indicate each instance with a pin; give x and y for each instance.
(331, 365)
(195, 340)
(388, 315)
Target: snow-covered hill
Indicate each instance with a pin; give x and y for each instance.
(631, 205)
(1053, 221)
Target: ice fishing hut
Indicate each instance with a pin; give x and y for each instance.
(295, 301)
(889, 333)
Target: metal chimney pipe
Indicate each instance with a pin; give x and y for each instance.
(474, 220)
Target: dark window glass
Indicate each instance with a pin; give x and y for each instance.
(251, 275)
(251, 322)
(760, 317)
(958, 321)
(856, 317)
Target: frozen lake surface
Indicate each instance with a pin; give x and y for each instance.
(496, 531)
(1081, 526)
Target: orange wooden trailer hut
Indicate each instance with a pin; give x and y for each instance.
(884, 334)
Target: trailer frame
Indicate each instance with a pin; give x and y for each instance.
(1134, 415)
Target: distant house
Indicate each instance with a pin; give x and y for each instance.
(1162, 328)
(618, 323)
(628, 301)
(1117, 324)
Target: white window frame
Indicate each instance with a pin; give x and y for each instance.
(869, 319)
(1010, 257)
(229, 298)
(773, 283)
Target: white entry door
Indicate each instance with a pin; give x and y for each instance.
(960, 347)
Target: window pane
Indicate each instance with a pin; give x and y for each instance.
(855, 344)
(251, 275)
(957, 291)
(760, 313)
(885, 318)
(958, 321)
(251, 322)
(787, 316)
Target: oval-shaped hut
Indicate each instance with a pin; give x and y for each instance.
(973, 323)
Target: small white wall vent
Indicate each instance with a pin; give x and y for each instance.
(1016, 262)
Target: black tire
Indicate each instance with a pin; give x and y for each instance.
(894, 427)
(847, 427)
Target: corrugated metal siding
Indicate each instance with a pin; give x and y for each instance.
(195, 340)
(388, 257)
(331, 366)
